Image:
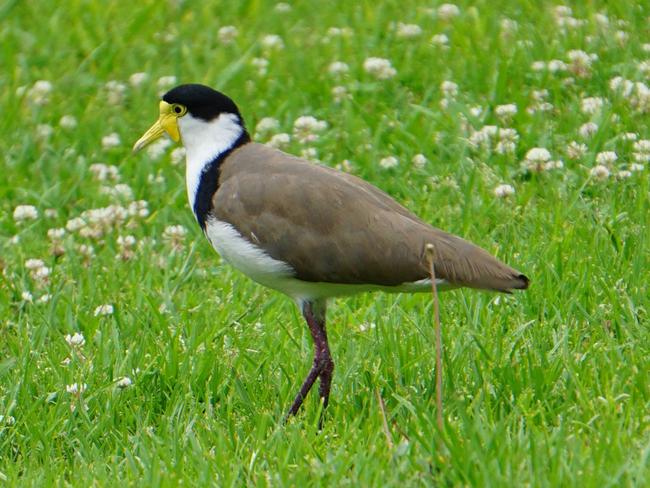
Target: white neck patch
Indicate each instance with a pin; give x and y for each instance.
(204, 141)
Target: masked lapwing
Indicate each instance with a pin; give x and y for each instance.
(304, 229)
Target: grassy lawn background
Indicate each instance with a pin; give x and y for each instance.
(544, 388)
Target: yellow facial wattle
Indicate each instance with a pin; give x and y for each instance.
(167, 123)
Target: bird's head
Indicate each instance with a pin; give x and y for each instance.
(193, 114)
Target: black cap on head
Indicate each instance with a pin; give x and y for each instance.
(201, 101)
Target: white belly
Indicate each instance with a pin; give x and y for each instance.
(259, 266)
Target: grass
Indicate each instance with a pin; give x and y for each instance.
(543, 388)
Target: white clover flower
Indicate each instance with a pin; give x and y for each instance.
(505, 147)
(624, 174)
(44, 131)
(600, 172)
(587, 130)
(447, 11)
(538, 66)
(580, 62)
(27, 297)
(309, 153)
(106, 216)
(111, 140)
(557, 164)
(339, 93)
(68, 122)
(408, 31)
(9, 420)
(536, 160)
(75, 224)
(419, 161)
(75, 340)
(606, 157)
(621, 36)
(39, 93)
(76, 388)
(177, 155)
(166, 82)
(508, 135)
(576, 150)
(503, 191)
(261, 64)
(538, 154)
(440, 40)
(601, 19)
(175, 235)
(91, 232)
(476, 111)
(641, 157)
(86, 250)
(272, 41)
(389, 162)
(305, 128)
(339, 32)
(506, 111)
(51, 213)
(591, 105)
(121, 190)
(137, 79)
(380, 68)
(556, 65)
(279, 140)
(227, 34)
(44, 298)
(103, 172)
(56, 234)
(124, 382)
(126, 242)
(620, 84)
(33, 264)
(630, 136)
(42, 273)
(309, 123)
(644, 67)
(139, 208)
(115, 91)
(338, 68)
(482, 138)
(562, 11)
(449, 89)
(636, 167)
(106, 309)
(508, 26)
(642, 146)
(282, 7)
(367, 326)
(25, 212)
(266, 125)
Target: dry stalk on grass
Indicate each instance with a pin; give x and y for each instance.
(430, 250)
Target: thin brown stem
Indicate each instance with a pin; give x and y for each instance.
(430, 249)
(382, 407)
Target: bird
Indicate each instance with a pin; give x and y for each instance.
(307, 230)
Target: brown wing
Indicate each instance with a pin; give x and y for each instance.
(333, 227)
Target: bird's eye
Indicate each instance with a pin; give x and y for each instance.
(179, 110)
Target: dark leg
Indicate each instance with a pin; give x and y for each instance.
(314, 313)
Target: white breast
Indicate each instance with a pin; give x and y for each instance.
(248, 258)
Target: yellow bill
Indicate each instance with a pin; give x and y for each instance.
(167, 123)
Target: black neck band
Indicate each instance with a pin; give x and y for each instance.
(209, 181)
